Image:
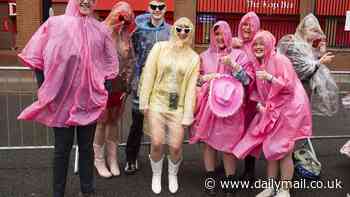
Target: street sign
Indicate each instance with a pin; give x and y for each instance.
(347, 23)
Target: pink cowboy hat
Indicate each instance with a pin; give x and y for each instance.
(225, 96)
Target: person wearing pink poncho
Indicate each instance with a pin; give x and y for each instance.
(77, 55)
(283, 116)
(220, 133)
(247, 29)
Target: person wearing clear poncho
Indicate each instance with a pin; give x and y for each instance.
(167, 98)
(76, 55)
(107, 131)
(306, 50)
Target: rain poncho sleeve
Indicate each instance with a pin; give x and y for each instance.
(149, 73)
(304, 66)
(281, 87)
(32, 55)
(190, 98)
(111, 66)
(324, 90)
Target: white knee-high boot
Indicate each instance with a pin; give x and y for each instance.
(100, 162)
(173, 169)
(157, 175)
(112, 158)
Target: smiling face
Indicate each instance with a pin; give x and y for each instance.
(259, 48)
(182, 31)
(247, 31)
(312, 34)
(157, 9)
(86, 7)
(219, 38)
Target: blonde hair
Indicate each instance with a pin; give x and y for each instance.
(162, 1)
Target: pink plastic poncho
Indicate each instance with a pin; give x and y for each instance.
(220, 133)
(254, 21)
(77, 55)
(287, 117)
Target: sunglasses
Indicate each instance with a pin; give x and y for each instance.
(90, 1)
(159, 7)
(185, 29)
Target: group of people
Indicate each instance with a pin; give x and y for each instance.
(242, 96)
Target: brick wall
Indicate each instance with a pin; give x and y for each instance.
(29, 14)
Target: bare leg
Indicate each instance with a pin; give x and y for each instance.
(175, 148)
(100, 133)
(229, 164)
(157, 130)
(272, 169)
(209, 157)
(287, 169)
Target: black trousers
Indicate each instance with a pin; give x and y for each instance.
(64, 139)
(135, 136)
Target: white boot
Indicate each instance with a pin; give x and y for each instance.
(112, 160)
(268, 192)
(283, 193)
(173, 169)
(100, 162)
(157, 175)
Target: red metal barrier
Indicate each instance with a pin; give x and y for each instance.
(283, 7)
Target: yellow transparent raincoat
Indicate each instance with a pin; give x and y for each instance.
(168, 82)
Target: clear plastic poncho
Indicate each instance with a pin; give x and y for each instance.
(323, 88)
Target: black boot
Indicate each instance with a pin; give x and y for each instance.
(208, 183)
(230, 179)
(249, 169)
(91, 194)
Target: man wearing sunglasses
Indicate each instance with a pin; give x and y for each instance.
(151, 28)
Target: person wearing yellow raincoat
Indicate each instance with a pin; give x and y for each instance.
(167, 98)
